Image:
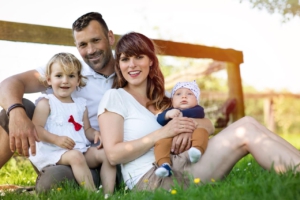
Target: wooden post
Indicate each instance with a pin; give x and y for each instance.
(235, 89)
(269, 115)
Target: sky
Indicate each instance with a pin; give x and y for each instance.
(270, 47)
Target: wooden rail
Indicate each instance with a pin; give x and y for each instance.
(21, 32)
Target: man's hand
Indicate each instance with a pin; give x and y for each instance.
(181, 143)
(22, 133)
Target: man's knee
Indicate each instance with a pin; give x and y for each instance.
(4, 120)
(53, 175)
(29, 107)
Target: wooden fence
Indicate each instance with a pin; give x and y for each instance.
(21, 32)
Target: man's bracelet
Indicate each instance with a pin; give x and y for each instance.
(16, 105)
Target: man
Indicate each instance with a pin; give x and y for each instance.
(93, 40)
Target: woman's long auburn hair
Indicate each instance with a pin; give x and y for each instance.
(134, 44)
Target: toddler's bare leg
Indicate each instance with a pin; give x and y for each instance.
(94, 158)
(79, 167)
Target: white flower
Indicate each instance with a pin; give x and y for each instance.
(2, 194)
(100, 186)
(106, 196)
(249, 163)
(126, 188)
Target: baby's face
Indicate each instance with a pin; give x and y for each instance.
(184, 98)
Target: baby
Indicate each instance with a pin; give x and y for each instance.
(185, 98)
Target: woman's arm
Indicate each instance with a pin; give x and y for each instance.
(117, 151)
(206, 124)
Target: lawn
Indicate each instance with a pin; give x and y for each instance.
(247, 180)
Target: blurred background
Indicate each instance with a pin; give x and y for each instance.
(266, 33)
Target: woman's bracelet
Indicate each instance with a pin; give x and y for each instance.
(16, 105)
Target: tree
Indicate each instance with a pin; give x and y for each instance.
(286, 8)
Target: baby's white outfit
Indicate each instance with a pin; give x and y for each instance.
(58, 123)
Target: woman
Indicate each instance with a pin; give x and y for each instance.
(129, 129)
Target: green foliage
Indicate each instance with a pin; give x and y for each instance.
(255, 108)
(287, 115)
(212, 83)
(18, 171)
(286, 8)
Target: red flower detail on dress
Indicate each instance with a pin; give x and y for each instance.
(77, 126)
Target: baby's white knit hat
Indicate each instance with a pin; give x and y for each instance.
(189, 85)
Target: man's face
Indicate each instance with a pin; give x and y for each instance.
(94, 46)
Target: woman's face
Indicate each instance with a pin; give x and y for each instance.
(135, 69)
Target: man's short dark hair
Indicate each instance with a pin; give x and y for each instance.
(85, 19)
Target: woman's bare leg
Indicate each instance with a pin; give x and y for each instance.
(94, 157)
(276, 137)
(79, 167)
(240, 138)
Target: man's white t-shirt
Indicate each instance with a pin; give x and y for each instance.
(93, 92)
(138, 122)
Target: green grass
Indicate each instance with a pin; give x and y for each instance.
(18, 171)
(247, 180)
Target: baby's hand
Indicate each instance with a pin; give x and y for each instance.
(65, 142)
(173, 113)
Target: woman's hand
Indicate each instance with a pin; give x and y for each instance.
(179, 125)
(183, 127)
(181, 143)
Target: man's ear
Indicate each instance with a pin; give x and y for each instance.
(111, 38)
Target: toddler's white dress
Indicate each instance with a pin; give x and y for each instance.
(58, 123)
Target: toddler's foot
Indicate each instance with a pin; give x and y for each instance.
(194, 154)
(164, 170)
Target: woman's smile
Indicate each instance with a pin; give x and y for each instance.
(134, 73)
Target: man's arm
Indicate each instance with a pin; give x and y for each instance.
(22, 133)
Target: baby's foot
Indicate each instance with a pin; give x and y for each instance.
(194, 154)
(164, 170)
